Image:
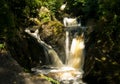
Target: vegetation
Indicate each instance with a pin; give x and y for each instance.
(103, 39)
(49, 79)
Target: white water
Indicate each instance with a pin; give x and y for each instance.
(49, 51)
(76, 57)
(73, 67)
(75, 50)
(67, 46)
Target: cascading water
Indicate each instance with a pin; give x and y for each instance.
(76, 58)
(49, 51)
(72, 71)
(67, 46)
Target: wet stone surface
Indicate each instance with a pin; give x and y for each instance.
(65, 75)
(12, 73)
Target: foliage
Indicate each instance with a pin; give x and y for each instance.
(57, 27)
(103, 42)
(74, 7)
(90, 8)
(49, 79)
(44, 14)
(2, 46)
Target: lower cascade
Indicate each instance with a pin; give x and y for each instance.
(70, 72)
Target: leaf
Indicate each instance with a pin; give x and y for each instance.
(1, 46)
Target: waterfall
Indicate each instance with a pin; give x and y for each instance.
(67, 46)
(75, 51)
(76, 58)
(51, 56)
(72, 71)
(74, 54)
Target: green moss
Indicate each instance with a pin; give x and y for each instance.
(2, 45)
(49, 79)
